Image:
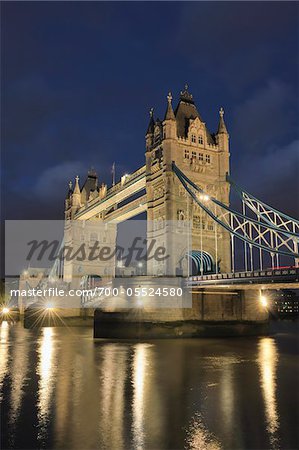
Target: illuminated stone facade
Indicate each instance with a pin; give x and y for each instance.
(182, 137)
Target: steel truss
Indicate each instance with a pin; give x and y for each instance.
(264, 212)
(270, 233)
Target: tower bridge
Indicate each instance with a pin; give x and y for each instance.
(185, 184)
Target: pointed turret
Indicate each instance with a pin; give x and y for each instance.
(169, 115)
(76, 197)
(221, 126)
(149, 137)
(77, 187)
(151, 125)
(169, 123)
(70, 190)
(68, 198)
(222, 136)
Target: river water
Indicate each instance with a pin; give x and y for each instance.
(59, 388)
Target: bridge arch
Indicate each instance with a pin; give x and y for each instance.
(201, 258)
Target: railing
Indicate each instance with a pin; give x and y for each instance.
(139, 173)
(284, 273)
(125, 209)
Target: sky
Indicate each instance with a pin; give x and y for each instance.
(78, 80)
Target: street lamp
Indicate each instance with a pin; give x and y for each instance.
(264, 301)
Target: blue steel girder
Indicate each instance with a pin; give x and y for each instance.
(254, 232)
(265, 212)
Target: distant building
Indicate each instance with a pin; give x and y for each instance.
(285, 304)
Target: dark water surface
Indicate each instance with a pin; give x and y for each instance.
(61, 389)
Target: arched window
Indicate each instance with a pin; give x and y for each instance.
(180, 214)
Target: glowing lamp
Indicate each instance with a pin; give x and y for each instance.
(264, 301)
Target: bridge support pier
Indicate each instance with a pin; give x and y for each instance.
(213, 313)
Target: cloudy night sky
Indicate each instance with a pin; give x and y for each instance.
(78, 80)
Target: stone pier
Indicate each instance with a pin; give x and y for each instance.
(213, 313)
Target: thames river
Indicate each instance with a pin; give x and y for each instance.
(62, 389)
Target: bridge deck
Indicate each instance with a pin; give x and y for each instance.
(129, 186)
(260, 279)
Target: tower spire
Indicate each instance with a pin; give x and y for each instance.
(151, 125)
(221, 126)
(186, 96)
(70, 190)
(77, 187)
(169, 115)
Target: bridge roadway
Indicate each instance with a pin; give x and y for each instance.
(287, 278)
(127, 187)
(226, 283)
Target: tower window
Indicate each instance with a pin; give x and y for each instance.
(193, 138)
(200, 140)
(180, 214)
(200, 156)
(159, 153)
(187, 154)
(208, 159)
(193, 155)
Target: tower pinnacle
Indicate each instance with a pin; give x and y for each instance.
(221, 126)
(77, 187)
(169, 115)
(151, 125)
(70, 190)
(186, 96)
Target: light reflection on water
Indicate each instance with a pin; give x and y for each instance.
(4, 333)
(199, 438)
(176, 394)
(140, 380)
(19, 370)
(112, 395)
(46, 372)
(268, 361)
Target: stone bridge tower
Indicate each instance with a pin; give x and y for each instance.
(82, 236)
(184, 138)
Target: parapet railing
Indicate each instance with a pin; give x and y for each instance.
(292, 272)
(124, 183)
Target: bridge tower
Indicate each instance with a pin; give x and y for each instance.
(183, 137)
(82, 236)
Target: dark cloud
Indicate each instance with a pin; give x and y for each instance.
(79, 79)
(236, 44)
(273, 177)
(265, 118)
